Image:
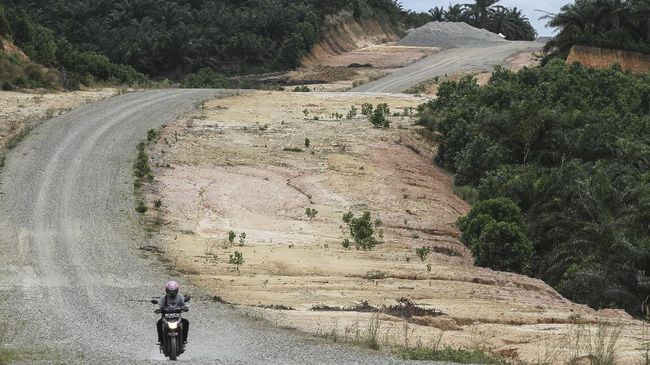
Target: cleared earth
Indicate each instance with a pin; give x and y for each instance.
(241, 164)
(77, 272)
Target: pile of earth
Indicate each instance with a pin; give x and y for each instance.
(450, 35)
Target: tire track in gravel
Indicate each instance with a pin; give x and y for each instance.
(71, 274)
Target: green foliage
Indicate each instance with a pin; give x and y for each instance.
(345, 243)
(366, 109)
(353, 112)
(602, 23)
(173, 38)
(141, 166)
(302, 89)
(311, 213)
(15, 74)
(307, 142)
(237, 259)
(141, 207)
(242, 238)
(487, 14)
(45, 47)
(206, 78)
(157, 203)
(486, 212)
(423, 252)
(450, 355)
(379, 116)
(503, 246)
(570, 147)
(362, 230)
(152, 134)
(231, 237)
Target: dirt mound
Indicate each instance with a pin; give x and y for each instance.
(604, 58)
(10, 49)
(450, 35)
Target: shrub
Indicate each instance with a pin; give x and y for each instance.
(242, 238)
(231, 237)
(366, 109)
(206, 78)
(302, 89)
(237, 259)
(157, 203)
(152, 134)
(379, 117)
(307, 142)
(353, 112)
(362, 230)
(503, 246)
(141, 165)
(345, 243)
(423, 252)
(486, 212)
(141, 207)
(311, 213)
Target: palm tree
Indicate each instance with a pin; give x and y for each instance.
(512, 23)
(481, 11)
(438, 14)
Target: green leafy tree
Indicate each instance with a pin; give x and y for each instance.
(362, 230)
(503, 246)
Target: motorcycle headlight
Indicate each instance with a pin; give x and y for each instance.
(173, 325)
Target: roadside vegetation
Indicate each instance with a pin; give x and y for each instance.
(613, 24)
(557, 157)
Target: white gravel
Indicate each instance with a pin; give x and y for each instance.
(450, 35)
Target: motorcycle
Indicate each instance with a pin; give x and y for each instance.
(172, 345)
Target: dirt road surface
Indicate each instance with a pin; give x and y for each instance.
(447, 62)
(74, 283)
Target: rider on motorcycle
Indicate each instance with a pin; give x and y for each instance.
(172, 300)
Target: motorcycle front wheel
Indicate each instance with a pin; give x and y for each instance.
(173, 349)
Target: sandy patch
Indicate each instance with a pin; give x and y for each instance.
(22, 111)
(228, 168)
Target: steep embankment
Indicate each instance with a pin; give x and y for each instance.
(344, 33)
(604, 58)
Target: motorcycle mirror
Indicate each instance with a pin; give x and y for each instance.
(154, 301)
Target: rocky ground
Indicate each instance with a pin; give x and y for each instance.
(241, 164)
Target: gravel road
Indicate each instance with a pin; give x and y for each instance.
(449, 61)
(73, 280)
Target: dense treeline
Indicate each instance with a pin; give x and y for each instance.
(558, 159)
(619, 24)
(487, 14)
(67, 65)
(171, 38)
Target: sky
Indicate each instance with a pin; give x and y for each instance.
(528, 6)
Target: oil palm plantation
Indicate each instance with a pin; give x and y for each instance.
(602, 23)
